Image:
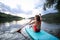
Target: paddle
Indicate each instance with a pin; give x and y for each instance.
(25, 25)
(19, 30)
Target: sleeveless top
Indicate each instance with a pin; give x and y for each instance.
(37, 28)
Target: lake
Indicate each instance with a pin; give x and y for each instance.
(6, 34)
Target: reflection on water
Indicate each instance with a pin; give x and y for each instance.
(6, 27)
(5, 30)
(53, 29)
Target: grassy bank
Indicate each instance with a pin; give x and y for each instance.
(51, 18)
(8, 18)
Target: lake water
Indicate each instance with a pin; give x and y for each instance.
(6, 34)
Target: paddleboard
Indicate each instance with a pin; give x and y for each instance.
(42, 35)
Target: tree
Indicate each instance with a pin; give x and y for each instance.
(50, 3)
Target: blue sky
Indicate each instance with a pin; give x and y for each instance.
(24, 8)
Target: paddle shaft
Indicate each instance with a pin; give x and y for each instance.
(19, 31)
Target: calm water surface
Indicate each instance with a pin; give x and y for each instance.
(6, 34)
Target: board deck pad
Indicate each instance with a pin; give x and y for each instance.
(42, 35)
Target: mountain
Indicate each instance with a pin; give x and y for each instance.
(7, 17)
(31, 18)
(51, 18)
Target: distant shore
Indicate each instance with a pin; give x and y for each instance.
(8, 17)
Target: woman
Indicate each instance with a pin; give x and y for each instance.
(36, 23)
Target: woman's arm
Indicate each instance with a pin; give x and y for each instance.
(40, 17)
(31, 22)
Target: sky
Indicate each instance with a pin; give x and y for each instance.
(25, 8)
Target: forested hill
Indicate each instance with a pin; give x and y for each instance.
(8, 17)
(51, 17)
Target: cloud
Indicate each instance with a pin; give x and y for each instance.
(23, 15)
(6, 8)
(24, 8)
(26, 5)
(40, 6)
(50, 10)
(11, 3)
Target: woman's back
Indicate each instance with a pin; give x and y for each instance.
(37, 24)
